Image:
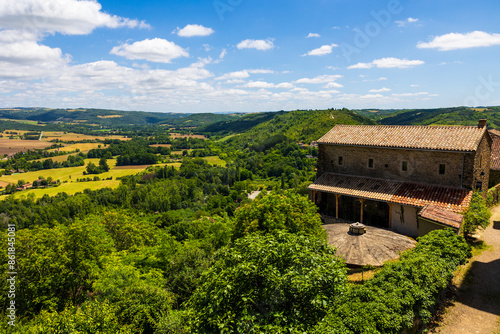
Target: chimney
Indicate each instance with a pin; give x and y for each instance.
(482, 123)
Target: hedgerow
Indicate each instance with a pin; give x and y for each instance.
(401, 292)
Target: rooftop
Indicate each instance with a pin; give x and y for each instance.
(439, 215)
(446, 138)
(407, 193)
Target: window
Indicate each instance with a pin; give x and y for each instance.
(442, 168)
(370, 163)
(341, 160)
(404, 166)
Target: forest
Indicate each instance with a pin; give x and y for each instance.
(181, 248)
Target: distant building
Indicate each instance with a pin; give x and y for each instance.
(411, 179)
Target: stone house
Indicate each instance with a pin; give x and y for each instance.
(411, 179)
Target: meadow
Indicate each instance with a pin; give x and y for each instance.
(12, 146)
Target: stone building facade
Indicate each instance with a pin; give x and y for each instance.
(398, 176)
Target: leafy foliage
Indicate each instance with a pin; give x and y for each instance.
(273, 283)
(285, 211)
(402, 291)
(477, 215)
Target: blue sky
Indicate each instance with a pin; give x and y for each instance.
(241, 55)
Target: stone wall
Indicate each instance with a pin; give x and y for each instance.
(404, 220)
(422, 166)
(482, 163)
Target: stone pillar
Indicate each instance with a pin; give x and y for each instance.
(390, 215)
(337, 206)
(362, 200)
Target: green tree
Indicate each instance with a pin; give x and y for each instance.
(285, 211)
(103, 164)
(477, 215)
(282, 283)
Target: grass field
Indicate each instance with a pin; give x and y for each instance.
(70, 136)
(69, 188)
(223, 139)
(23, 121)
(71, 174)
(179, 135)
(215, 160)
(11, 146)
(161, 145)
(83, 147)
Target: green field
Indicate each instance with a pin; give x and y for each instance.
(69, 188)
(215, 160)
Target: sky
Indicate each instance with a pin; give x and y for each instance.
(249, 56)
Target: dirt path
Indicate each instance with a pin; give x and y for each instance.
(477, 306)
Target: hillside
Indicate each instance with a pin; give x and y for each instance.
(301, 125)
(441, 116)
(110, 118)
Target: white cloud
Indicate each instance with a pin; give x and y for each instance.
(264, 84)
(380, 90)
(321, 51)
(411, 94)
(405, 22)
(311, 34)
(389, 62)
(156, 50)
(243, 74)
(455, 41)
(69, 17)
(319, 79)
(333, 85)
(258, 44)
(221, 56)
(413, 85)
(192, 30)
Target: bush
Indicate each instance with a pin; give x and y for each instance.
(477, 215)
(285, 211)
(402, 291)
(280, 283)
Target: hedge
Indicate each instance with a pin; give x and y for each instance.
(402, 292)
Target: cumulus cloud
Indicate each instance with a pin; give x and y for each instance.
(258, 44)
(455, 41)
(389, 62)
(243, 74)
(410, 94)
(69, 17)
(321, 51)
(311, 35)
(319, 79)
(192, 30)
(156, 50)
(264, 84)
(380, 90)
(407, 21)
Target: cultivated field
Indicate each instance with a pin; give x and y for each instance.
(179, 135)
(70, 136)
(11, 146)
(83, 147)
(160, 145)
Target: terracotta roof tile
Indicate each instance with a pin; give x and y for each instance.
(495, 149)
(414, 194)
(442, 216)
(448, 138)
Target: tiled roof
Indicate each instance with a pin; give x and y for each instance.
(442, 216)
(495, 149)
(447, 138)
(414, 194)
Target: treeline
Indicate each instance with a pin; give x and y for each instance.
(267, 269)
(22, 164)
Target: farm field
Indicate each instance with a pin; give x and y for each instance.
(179, 135)
(69, 188)
(83, 147)
(11, 146)
(59, 158)
(70, 136)
(160, 145)
(215, 160)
